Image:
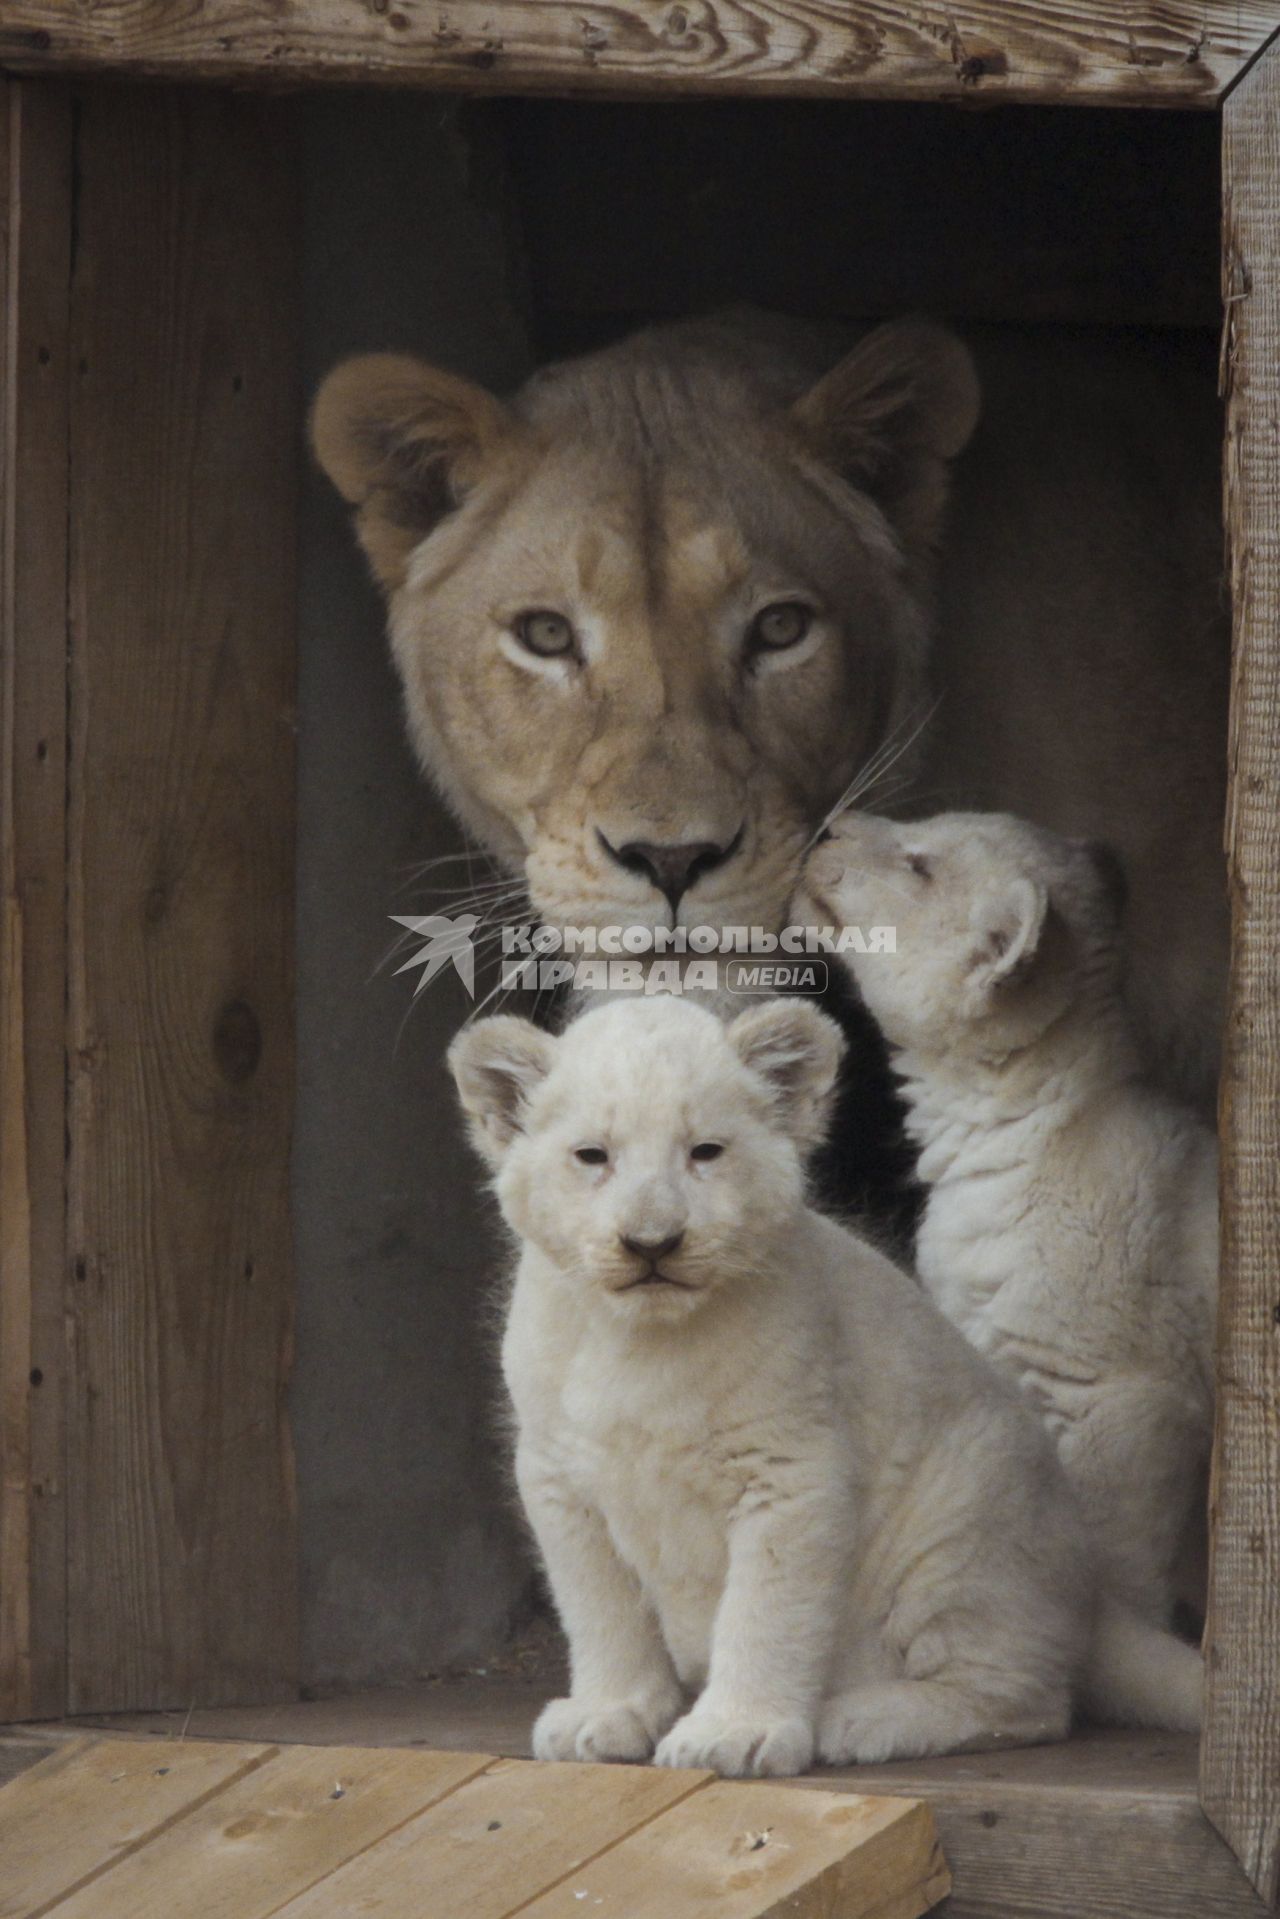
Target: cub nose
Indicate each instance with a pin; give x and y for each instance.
(672, 866)
(653, 1249)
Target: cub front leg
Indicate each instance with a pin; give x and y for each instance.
(623, 1690)
(772, 1642)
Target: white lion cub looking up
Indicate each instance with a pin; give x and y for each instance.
(1070, 1229)
(765, 1475)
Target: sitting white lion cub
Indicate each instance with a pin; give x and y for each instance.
(760, 1466)
(1071, 1224)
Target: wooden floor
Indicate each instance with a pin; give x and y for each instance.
(116, 1828)
(1105, 1827)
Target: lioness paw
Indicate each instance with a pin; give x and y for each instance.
(623, 1731)
(739, 1748)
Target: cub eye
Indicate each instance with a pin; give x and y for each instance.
(779, 626)
(920, 866)
(706, 1149)
(543, 633)
(591, 1155)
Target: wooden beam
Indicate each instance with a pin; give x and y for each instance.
(1240, 1763)
(36, 189)
(1183, 53)
(185, 430)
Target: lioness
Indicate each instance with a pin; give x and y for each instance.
(654, 614)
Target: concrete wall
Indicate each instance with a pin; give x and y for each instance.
(409, 1557)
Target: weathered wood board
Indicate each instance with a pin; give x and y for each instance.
(1179, 53)
(35, 241)
(181, 1580)
(125, 1829)
(1240, 1756)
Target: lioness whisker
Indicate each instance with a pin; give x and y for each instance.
(471, 855)
(874, 770)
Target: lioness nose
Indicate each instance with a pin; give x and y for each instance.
(673, 868)
(654, 1249)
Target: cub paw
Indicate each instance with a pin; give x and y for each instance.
(739, 1748)
(623, 1731)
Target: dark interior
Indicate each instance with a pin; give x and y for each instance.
(490, 236)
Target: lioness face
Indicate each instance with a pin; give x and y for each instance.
(590, 660)
(1000, 925)
(647, 638)
(651, 1153)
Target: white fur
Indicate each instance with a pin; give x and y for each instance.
(784, 1508)
(1070, 1229)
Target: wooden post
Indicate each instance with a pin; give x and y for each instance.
(35, 182)
(185, 444)
(1240, 1755)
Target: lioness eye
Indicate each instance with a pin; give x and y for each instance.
(545, 634)
(706, 1149)
(920, 866)
(591, 1155)
(779, 626)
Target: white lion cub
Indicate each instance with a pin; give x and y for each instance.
(761, 1468)
(1070, 1229)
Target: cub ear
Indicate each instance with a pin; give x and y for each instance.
(402, 441)
(496, 1066)
(1006, 926)
(891, 415)
(796, 1050)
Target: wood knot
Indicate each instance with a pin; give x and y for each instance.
(981, 66)
(237, 1042)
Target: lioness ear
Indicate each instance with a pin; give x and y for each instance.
(891, 415)
(1007, 926)
(496, 1065)
(402, 442)
(796, 1051)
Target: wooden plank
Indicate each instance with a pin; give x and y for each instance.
(315, 1833)
(1071, 1851)
(1240, 1765)
(35, 265)
(185, 421)
(1108, 1824)
(1184, 52)
(70, 1819)
(271, 1834)
(498, 1842)
(753, 1852)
